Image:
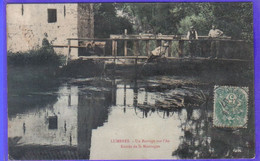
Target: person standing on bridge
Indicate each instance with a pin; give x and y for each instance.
(214, 33)
(192, 35)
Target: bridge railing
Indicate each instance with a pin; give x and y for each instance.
(140, 46)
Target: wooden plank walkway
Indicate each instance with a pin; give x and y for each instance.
(167, 58)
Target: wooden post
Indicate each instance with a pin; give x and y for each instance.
(135, 50)
(69, 99)
(113, 47)
(113, 92)
(180, 48)
(125, 44)
(135, 101)
(147, 47)
(69, 50)
(104, 48)
(146, 98)
(124, 94)
(125, 48)
(170, 49)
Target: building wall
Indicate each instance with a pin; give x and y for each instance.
(85, 20)
(28, 23)
(85, 23)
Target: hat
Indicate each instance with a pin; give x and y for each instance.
(192, 27)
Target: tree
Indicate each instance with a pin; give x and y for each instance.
(235, 19)
(107, 22)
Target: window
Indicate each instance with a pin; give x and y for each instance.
(53, 122)
(52, 15)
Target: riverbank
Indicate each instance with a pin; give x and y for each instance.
(207, 68)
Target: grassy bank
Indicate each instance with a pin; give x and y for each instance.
(42, 56)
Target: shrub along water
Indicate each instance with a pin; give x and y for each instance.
(29, 73)
(43, 56)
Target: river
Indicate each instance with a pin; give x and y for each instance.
(154, 117)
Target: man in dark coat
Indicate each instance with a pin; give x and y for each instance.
(192, 35)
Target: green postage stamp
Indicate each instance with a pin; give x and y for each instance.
(230, 106)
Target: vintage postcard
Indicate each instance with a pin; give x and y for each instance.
(120, 81)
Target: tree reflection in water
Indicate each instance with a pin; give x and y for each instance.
(201, 139)
(93, 101)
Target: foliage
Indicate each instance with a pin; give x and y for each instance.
(194, 20)
(108, 22)
(235, 19)
(43, 56)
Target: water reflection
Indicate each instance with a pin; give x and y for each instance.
(93, 109)
(91, 115)
(45, 128)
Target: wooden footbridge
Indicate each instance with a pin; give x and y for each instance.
(139, 47)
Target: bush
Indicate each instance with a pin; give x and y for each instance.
(42, 56)
(201, 24)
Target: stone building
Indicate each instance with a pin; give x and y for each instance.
(29, 24)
